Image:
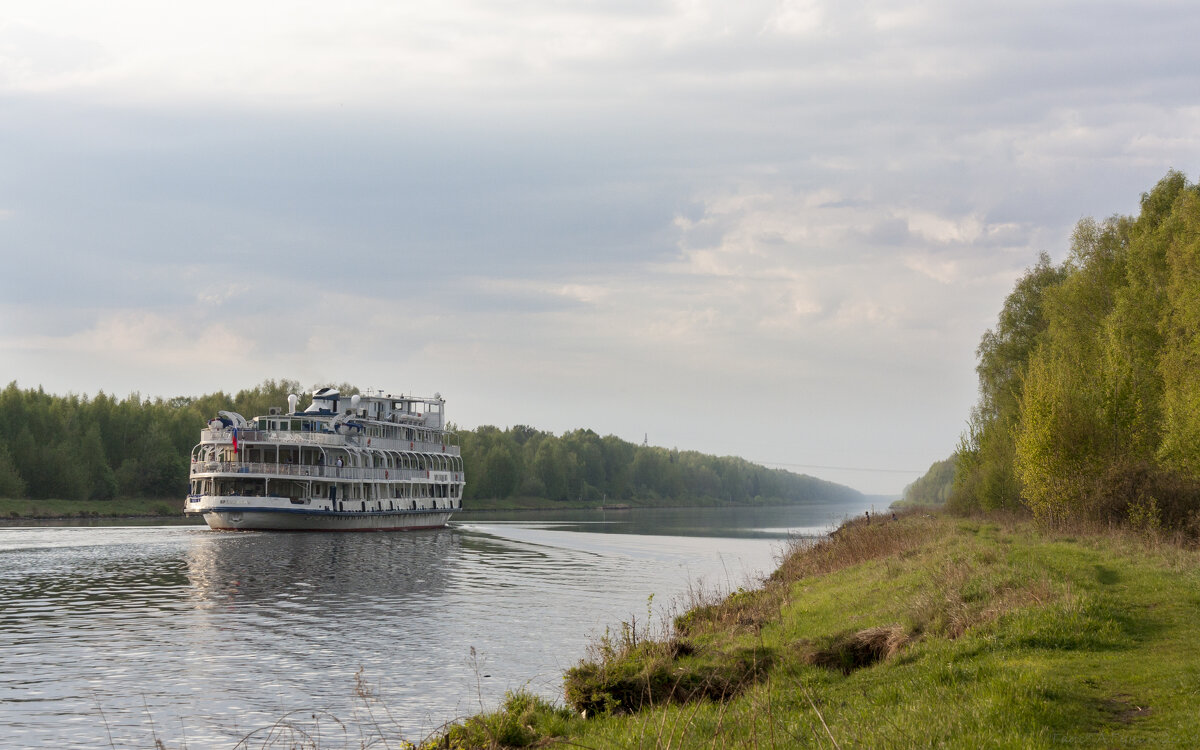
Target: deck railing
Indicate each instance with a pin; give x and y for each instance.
(326, 439)
(349, 473)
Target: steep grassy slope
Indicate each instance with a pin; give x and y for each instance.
(926, 631)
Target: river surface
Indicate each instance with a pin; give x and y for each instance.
(118, 636)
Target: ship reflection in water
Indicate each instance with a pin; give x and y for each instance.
(241, 569)
(117, 636)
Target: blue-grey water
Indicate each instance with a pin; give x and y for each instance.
(115, 637)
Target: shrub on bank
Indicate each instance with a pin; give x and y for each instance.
(655, 673)
(522, 720)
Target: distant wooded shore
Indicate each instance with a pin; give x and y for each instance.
(23, 509)
(73, 456)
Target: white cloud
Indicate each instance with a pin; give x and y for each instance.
(945, 271)
(35, 59)
(902, 15)
(943, 230)
(796, 17)
(137, 339)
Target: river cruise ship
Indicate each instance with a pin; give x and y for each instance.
(358, 463)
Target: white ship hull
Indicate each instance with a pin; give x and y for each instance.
(276, 519)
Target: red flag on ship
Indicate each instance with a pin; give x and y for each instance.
(235, 439)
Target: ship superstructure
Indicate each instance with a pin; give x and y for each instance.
(357, 463)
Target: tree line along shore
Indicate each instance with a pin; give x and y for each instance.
(1089, 383)
(72, 455)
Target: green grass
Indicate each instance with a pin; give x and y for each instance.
(1004, 635)
(12, 508)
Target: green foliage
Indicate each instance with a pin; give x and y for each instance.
(1003, 351)
(11, 483)
(79, 448)
(1180, 325)
(522, 720)
(986, 479)
(934, 487)
(584, 468)
(1089, 386)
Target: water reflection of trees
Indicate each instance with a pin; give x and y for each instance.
(91, 586)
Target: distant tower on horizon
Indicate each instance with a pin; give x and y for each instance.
(645, 439)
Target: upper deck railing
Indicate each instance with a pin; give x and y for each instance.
(352, 473)
(288, 437)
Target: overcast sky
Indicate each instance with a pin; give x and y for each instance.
(767, 229)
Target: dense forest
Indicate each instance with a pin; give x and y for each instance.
(98, 448)
(79, 448)
(581, 465)
(1089, 383)
(933, 488)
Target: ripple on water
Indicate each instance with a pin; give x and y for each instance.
(207, 636)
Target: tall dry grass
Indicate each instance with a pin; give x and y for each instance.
(856, 541)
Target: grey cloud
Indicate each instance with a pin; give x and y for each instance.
(288, 199)
(887, 232)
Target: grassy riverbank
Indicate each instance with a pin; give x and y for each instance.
(16, 508)
(925, 631)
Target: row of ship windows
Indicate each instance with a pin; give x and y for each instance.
(287, 456)
(258, 488)
(380, 431)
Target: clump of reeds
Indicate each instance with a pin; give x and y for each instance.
(522, 720)
(854, 650)
(658, 663)
(967, 592)
(664, 672)
(741, 611)
(856, 541)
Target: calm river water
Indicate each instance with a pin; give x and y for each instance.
(113, 637)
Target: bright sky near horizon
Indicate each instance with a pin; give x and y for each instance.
(767, 229)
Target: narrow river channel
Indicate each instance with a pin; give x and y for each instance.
(114, 636)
